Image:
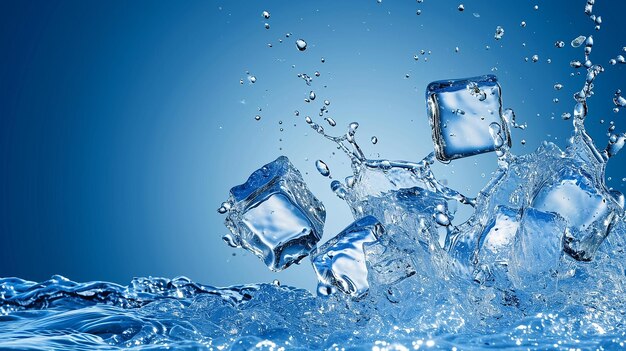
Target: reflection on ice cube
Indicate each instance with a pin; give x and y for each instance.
(463, 114)
(340, 262)
(275, 216)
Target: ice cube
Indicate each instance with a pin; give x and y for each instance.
(589, 210)
(275, 216)
(537, 249)
(466, 117)
(340, 262)
(495, 245)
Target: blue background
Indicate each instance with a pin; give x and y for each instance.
(123, 124)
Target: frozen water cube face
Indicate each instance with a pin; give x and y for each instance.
(466, 117)
(537, 248)
(275, 216)
(340, 262)
(580, 199)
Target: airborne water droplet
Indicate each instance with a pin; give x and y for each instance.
(252, 79)
(499, 33)
(257, 117)
(558, 86)
(578, 41)
(301, 45)
(322, 168)
(535, 58)
(374, 140)
(461, 7)
(559, 44)
(266, 14)
(267, 26)
(312, 95)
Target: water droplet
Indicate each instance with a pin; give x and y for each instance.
(559, 44)
(612, 62)
(322, 168)
(523, 142)
(456, 49)
(442, 219)
(308, 120)
(461, 7)
(499, 33)
(575, 64)
(418, 12)
(555, 100)
(331, 121)
(301, 45)
(580, 110)
(230, 240)
(326, 102)
(252, 79)
(620, 59)
(536, 7)
(535, 58)
(276, 282)
(240, 81)
(476, 14)
(267, 26)
(558, 86)
(296, 112)
(323, 60)
(312, 95)
(257, 117)
(618, 99)
(266, 14)
(578, 41)
(317, 73)
(374, 140)
(523, 24)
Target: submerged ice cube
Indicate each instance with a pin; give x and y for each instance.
(495, 245)
(340, 262)
(590, 212)
(466, 117)
(537, 249)
(275, 216)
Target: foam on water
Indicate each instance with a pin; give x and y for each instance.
(541, 263)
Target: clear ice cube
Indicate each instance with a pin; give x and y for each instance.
(466, 117)
(275, 216)
(340, 262)
(590, 212)
(537, 249)
(495, 245)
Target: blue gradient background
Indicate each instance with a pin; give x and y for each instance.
(123, 124)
